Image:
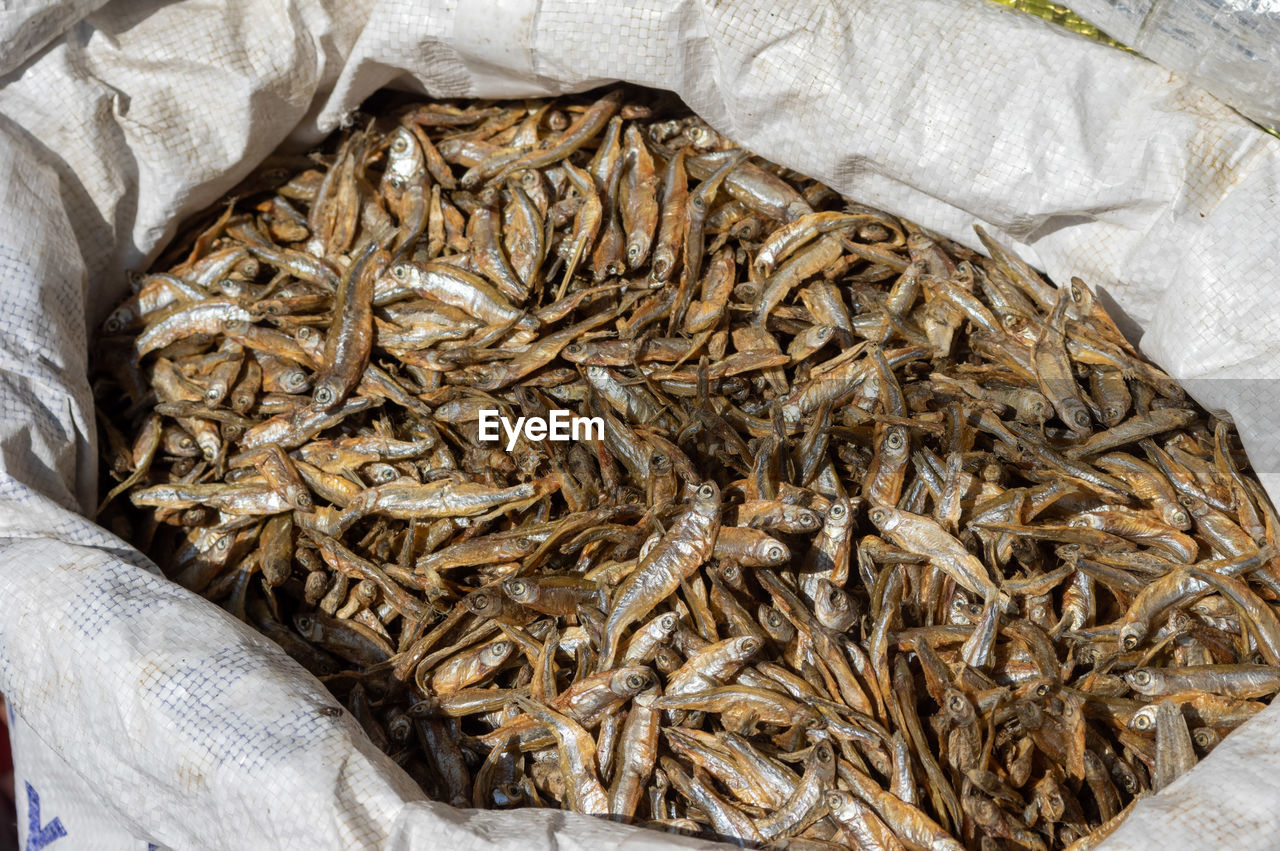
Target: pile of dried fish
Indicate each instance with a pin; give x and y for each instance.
(875, 541)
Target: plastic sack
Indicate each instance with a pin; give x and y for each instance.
(148, 716)
(1231, 47)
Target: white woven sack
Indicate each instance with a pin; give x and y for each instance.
(147, 717)
(1231, 47)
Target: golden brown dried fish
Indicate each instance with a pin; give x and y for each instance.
(685, 615)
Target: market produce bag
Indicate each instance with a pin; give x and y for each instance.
(147, 717)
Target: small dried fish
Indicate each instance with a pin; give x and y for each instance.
(802, 525)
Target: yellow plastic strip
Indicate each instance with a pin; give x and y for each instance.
(1064, 17)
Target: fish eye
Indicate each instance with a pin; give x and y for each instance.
(837, 511)
(113, 324)
(499, 648)
(1203, 738)
(1042, 690)
(399, 272)
(1081, 418)
(324, 394)
(1077, 294)
(975, 610)
(879, 515)
(1113, 411)
(749, 645)
(668, 621)
(400, 144)
(396, 181)
(894, 440)
(775, 553)
(304, 622)
(1129, 642)
(706, 491)
(480, 601)
(637, 681)
(573, 347)
(835, 799)
(516, 587)
(399, 728)
(823, 752)
(1141, 677)
(1142, 721)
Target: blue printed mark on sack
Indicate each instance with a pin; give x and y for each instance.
(38, 836)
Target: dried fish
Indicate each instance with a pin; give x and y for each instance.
(803, 524)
